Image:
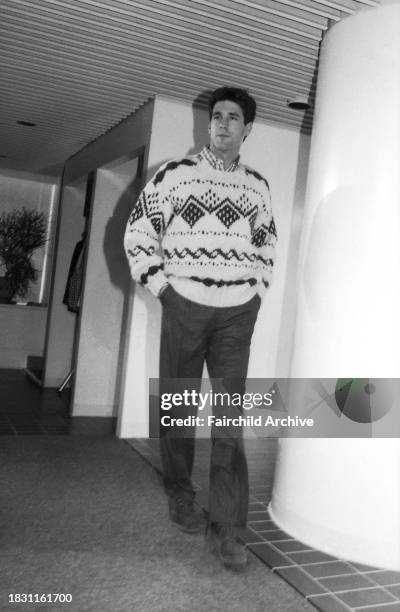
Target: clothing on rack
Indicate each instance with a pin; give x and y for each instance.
(73, 289)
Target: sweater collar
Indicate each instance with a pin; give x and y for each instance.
(217, 163)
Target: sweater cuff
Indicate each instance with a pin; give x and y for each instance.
(155, 282)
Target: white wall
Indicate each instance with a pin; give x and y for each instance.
(178, 129)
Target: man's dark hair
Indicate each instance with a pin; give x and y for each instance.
(234, 94)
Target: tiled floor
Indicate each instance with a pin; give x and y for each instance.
(330, 584)
(26, 409)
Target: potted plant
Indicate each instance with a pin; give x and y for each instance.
(22, 231)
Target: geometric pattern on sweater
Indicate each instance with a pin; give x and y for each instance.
(138, 249)
(262, 234)
(147, 206)
(226, 211)
(192, 210)
(215, 254)
(210, 282)
(150, 272)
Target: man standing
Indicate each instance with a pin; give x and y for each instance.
(214, 219)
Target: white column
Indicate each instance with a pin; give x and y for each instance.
(343, 495)
(106, 283)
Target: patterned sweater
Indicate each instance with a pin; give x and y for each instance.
(207, 231)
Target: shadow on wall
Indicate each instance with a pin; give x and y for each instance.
(117, 265)
(113, 243)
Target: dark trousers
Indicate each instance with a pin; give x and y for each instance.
(192, 334)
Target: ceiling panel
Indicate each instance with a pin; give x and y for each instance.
(76, 68)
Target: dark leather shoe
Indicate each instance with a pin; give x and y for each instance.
(183, 514)
(224, 542)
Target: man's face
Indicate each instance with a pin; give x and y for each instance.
(227, 128)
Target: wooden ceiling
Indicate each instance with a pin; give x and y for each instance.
(76, 68)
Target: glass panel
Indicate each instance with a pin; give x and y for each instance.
(17, 193)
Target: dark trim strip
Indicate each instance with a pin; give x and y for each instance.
(221, 283)
(150, 272)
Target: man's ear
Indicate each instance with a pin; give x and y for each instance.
(247, 129)
(209, 127)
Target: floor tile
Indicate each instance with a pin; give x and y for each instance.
(332, 568)
(260, 491)
(263, 526)
(258, 516)
(361, 567)
(248, 536)
(328, 603)
(365, 597)
(256, 506)
(273, 534)
(270, 555)
(289, 546)
(393, 607)
(344, 583)
(300, 581)
(310, 556)
(384, 577)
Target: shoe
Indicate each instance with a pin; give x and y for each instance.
(184, 515)
(228, 547)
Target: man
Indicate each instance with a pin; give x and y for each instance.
(213, 216)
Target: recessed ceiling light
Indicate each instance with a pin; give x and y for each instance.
(27, 123)
(298, 103)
